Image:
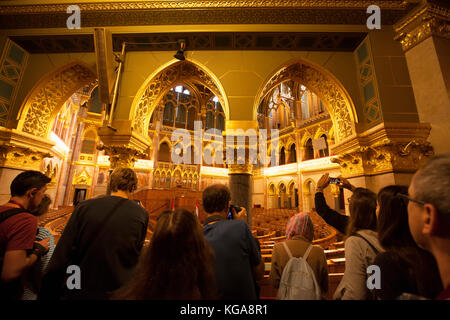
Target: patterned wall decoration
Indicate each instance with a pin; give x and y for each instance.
(49, 95)
(12, 66)
(368, 85)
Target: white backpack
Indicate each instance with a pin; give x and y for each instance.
(298, 281)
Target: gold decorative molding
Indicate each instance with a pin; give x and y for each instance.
(83, 178)
(122, 156)
(388, 147)
(428, 20)
(21, 158)
(385, 158)
(240, 168)
(199, 4)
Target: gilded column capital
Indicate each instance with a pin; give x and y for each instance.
(240, 168)
(386, 157)
(430, 19)
(122, 156)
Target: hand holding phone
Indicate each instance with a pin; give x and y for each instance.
(335, 181)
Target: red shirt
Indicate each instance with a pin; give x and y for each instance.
(444, 295)
(17, 232)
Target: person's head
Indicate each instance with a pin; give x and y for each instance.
(30, 187)
(123, 179)
(178, 264)
(43, 206)
(363, 205)
(393, 228)
(300, 225)
(216, 198)
(429, 203)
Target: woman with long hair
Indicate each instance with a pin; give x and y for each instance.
(405, 268)
(177, 265)
(361, 246)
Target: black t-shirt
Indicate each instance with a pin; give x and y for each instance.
(106, 255)
(236, 254)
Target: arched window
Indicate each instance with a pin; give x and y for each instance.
(305, 106)
(309, 150)
(209, 120)
(177, 102)
(164, 152)
(282, 156)
(324, 152)
(180, 117)
(220, 122)
(168, 114)
(293, 154)
(192, 114)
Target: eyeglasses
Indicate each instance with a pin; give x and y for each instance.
(408, 198)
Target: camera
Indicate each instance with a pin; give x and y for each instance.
(335, 180)
(231, 214)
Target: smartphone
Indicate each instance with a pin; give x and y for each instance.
(231, 214)
(335, 180)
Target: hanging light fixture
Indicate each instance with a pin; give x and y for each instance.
(180, 53)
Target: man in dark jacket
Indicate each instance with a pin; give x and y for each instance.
(103, 237)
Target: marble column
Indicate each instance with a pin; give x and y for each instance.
(240, 182)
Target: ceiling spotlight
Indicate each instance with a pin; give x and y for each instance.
(180, 53)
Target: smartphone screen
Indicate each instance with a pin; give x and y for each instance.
(335, 180)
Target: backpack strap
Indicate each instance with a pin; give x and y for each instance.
(305, 256)
(287, 249)
(368, 242)
(10, 212)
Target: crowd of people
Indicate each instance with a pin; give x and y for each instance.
(403, 231)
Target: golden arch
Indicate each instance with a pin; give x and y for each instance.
(306, 185)
(165, 78)
(325, 85)
(45, 100)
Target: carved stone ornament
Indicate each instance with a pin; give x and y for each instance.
(429, 20)
(329, 91)
(45, 100)
(21, 158)
(122, 157)
(385, 157)
(83, 178)
(240, 168)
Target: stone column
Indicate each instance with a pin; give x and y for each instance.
(425, 38)
(240, 181)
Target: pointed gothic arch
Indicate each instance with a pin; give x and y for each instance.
(325, 85)
(153, 89)
(43, 103)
